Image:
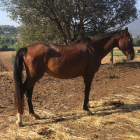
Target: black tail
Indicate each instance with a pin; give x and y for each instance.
(18, 67)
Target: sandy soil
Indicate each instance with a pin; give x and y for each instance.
(114, 101)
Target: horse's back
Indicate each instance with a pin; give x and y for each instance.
(67, 61)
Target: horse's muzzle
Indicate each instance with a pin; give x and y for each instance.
(130, 57)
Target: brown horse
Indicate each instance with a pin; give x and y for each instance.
(81, 58)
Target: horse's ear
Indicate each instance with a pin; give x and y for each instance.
(126, 30)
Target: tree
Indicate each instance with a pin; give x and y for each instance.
(11, 29)
(137, 42)
(5, 42)
(67, 20)
(40, 33)
(4, 47)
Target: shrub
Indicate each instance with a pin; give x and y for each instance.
(4, 47)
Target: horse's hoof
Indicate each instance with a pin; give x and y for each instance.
(88, 105)
(19, 124)
(89, 112)
(35, 116)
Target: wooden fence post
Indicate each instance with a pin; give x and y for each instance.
(111, 57)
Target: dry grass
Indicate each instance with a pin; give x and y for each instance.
(118, 123)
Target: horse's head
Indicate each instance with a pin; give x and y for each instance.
(125, 44)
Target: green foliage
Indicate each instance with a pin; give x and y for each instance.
(63, 21)
(5, 42)
(39, 33)
(7, 30)
(8, 37)
(4, 47)
(18, 45)
(136, 41)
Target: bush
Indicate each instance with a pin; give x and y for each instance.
(17, 45)
(136, 42)
(4, 47)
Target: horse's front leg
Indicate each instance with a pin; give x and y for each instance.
(30, 105)
(87, 81)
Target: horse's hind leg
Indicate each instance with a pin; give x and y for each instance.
(30, 105)
(27, 86)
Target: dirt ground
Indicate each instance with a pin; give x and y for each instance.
(5, 60)
(114, 102)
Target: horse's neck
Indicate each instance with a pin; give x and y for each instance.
(104, 46)
(112, 43)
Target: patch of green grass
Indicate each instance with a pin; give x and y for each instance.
(116, 53)
(137, 54)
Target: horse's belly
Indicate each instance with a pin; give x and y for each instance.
(66, 68)
(65, 72)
